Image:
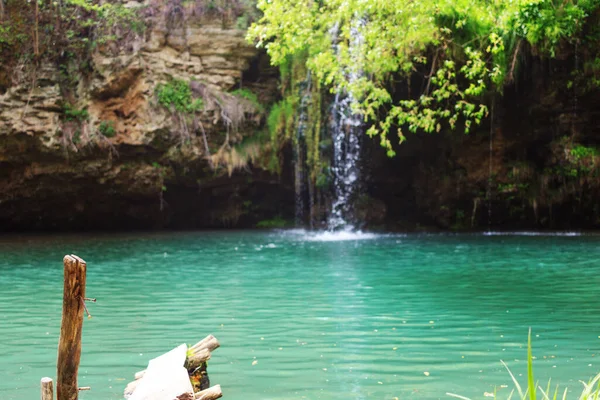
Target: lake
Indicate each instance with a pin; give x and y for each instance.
(309, 315)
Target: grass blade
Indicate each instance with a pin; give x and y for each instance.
(530, 380)
(519, 390)
(545, 396)
(457, 396)
(548, 388)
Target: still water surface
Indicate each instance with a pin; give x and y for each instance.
(370, 317)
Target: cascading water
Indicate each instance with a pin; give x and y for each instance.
(300, 177)
(347, 129)
(299, 180)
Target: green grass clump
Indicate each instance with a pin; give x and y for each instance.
(71, 113)
(250, 96)
(281, 118)
(107, 129)
(176, 95)
(591, 390)
(274, 223)
(580, 152)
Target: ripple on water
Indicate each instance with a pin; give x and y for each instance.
(313, 314)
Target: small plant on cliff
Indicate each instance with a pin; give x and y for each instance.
(176, 95)
(72, 113)
(580, 152)
(273, 223)
(107, 129)
(250, 96)
(74, 132)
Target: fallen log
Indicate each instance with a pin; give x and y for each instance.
(197, 354)
(212, 393)
(196, 360)
(210, 342)
(192, 361)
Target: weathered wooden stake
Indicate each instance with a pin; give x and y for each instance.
(47, 387)
(69, 344)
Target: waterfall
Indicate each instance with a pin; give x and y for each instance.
(300, 173)
(488, 194)
(347, 130)
(299, 179)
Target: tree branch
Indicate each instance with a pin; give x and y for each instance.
(513, 64)
(432, 71)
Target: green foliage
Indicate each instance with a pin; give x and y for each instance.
(176, 96)
(242, 22)
(64, 32)
(229, 10)
(162, 172)
(107, 129)
(545, 23)
(274, 223)
(463, 48)
(579, 152)
(250, 96)
(6, 36)
(297, 118)
(580, 161)
(116, 15)
(281, 118)
(76, 137)
(71, 113)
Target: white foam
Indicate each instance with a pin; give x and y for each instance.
(526, 233)
(329, 236)
(339, 236)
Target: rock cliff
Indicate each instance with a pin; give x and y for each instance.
(106, 155)
(96, 149)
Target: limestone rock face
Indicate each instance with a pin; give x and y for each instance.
(102, 153)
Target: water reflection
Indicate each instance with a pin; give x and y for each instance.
(323, 319)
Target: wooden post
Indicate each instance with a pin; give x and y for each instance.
(69, 344)
(47, 386)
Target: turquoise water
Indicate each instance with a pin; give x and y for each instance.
(305, 316)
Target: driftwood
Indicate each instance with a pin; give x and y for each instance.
(195, 364)
(69, 345)
(47, 386)
(197, 355)
(197, 359)
(211, 393)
